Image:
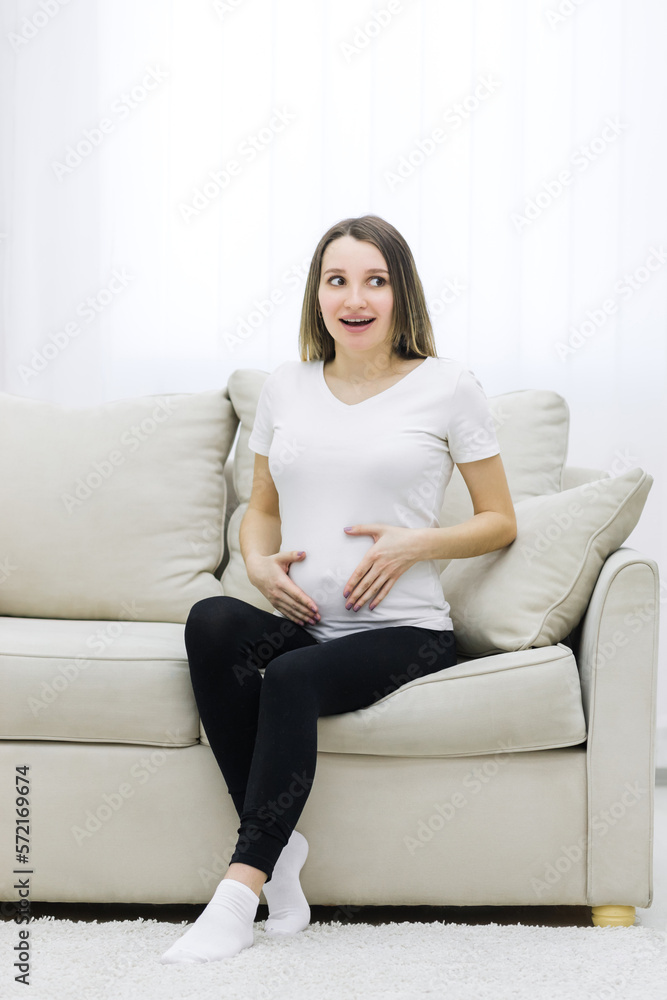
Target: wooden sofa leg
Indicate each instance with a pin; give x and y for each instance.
(613, 916)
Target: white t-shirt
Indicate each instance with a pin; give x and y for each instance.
(386, 459)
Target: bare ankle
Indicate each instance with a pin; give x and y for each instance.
(252, 877)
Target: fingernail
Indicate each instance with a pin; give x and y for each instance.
(348, 605)
(346, 593)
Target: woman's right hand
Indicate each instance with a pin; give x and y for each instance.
(270, 575)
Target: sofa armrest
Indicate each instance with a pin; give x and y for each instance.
(617, 657)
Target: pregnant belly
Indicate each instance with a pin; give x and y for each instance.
(325, 569)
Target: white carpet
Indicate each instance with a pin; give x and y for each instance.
(118, 960)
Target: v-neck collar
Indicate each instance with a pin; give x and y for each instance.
(369, 399)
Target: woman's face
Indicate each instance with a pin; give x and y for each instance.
(354, 284)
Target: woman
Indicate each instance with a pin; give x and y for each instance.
(355, 444)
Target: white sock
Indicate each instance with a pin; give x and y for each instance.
(289, 911)
(223, 929)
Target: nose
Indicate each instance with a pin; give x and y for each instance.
(355, 297)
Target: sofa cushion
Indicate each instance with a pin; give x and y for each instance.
(535, 591)
(129, 682)
(129, 498)
(529, 700)
(96, 682)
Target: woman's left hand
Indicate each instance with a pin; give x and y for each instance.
(392, 554)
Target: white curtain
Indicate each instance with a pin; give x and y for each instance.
(168, 168)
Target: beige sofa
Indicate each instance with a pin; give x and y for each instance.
(524, 775)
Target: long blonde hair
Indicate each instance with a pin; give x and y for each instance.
(411, 330)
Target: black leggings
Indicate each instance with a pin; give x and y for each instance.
(263, 730)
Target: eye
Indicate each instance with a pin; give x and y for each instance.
(376, 277)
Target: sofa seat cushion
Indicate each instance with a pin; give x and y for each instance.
(527, 700)
(96, 682)
(129, 682)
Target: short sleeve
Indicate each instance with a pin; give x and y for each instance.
(262, 430)
(471, 435)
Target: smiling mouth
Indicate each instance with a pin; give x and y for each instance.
(356, 324)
